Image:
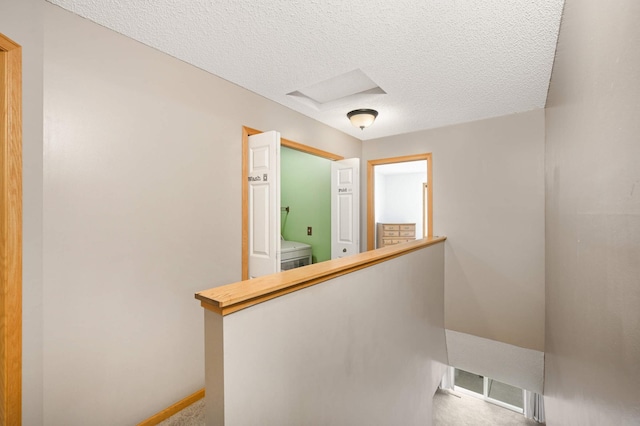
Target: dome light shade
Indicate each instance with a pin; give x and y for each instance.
(362, 117)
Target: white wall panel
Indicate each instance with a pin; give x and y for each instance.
(366, 348)
(593, 218)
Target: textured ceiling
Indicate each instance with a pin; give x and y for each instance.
(439, 62)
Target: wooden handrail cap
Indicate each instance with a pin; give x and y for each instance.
(231, 298)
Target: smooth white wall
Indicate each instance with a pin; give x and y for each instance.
(142, 208)
(366, 348)
(380, 195)
(593, 217)
(403, 199)
(21, 21)
(488, 189)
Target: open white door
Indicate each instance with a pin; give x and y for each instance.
(264, 204)
(345, 207)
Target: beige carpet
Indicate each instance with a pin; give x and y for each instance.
(449, 409)
(454, 409)
(193, 415)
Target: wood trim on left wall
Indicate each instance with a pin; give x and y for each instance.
(11, 232)
(174, 409)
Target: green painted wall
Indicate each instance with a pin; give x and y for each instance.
(306, 188)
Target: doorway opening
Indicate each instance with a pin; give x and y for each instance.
(246, 132)
(423, 194)
(305, 200)
(399, 202)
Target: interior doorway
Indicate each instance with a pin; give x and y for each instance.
(398, 193)
(425, 200)
(246, 132)
(10, 232)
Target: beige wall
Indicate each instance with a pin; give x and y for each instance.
(122, 258)
(593, 217)
(350, 351)
(22, 22)
(489, 201)
(142, 180)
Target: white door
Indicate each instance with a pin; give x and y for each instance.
(345, 207)
(264, 204)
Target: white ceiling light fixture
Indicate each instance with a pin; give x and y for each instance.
(362, 117)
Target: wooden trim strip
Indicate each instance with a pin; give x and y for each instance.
(245, 200)
(10, 232)
(246, 132)
(371, 212)
(310, 150)
(402, 159)
(174, 409)
(234, 297)
(430, 195)
(371, 192)
(298, 146)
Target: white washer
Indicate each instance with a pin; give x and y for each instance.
(294, 254)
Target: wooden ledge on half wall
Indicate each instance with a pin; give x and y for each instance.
(231, 298)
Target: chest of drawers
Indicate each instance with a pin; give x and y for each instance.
(395, 233)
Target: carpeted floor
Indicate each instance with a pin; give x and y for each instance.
(193, 415)
(449, 409)
(454, 409)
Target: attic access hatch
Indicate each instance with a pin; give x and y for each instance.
(351, 88)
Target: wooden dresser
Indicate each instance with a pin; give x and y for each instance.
(395, 233)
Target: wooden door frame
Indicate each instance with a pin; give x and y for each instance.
(371, 214)
(246, 132)
(11, 232)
